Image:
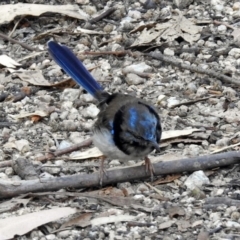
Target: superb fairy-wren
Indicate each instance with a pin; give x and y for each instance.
(127, 128)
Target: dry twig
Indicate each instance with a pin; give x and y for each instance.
(11, 189)
(3, 36)
(177, 63)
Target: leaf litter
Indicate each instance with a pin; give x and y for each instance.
(178, 26)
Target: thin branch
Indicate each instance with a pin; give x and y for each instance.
(103, 15)
(11, 189)
(70, 149)
(177, 63)
(189, 102)
(2, 35)
(16, 25)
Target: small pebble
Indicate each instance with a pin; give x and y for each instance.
(168, 52)
(133, 79)
(70, 94)
(196, 179)
(90, 111)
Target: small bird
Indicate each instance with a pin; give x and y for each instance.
(127, 128)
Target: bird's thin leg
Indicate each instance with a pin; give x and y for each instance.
(149, 167)
(102, 170)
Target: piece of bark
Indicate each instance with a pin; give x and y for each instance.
(24, 169)
(11, 189)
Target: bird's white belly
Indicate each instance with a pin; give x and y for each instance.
(102, 139)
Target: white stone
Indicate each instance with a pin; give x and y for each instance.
(232, 224)
(22, 145)
(134, 14)
(201, 92)
(196, 179)
(134, 79)
(222, 28)
(172, 101)
(168, 52)
(90, 112)
(235, 52)
(64, 144)
(70, 94)
(87, 98)
(139, 67)
(66, 105)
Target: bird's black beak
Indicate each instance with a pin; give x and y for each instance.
(156, 146)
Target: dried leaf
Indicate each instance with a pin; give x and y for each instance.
(68, 83)
(13, 203)
(90, 153)
(33, 77)
(178, 26)
(168, 179)
(112, 219)
(38, 113)
(166, 143)
(81, 221)
(87, 31)
(178, 133)
(8, 62)
(9, 11)
(9, 227)
(26, 90)
(35, 118)
(143, 26)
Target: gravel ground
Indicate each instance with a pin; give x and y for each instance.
(200, 205)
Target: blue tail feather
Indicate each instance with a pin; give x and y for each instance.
(65, 58)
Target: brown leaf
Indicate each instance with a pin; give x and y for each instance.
(68, 83)
(36, 113)
(26, 90)
(81, 221)
(168, 179)
(35, 118)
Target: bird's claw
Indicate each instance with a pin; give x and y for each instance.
(149, 168)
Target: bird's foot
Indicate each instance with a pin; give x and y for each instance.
(149, 167)
(102, 170)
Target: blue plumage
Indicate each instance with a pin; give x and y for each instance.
(65, 58)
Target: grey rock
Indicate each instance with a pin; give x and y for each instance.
(133, 79)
